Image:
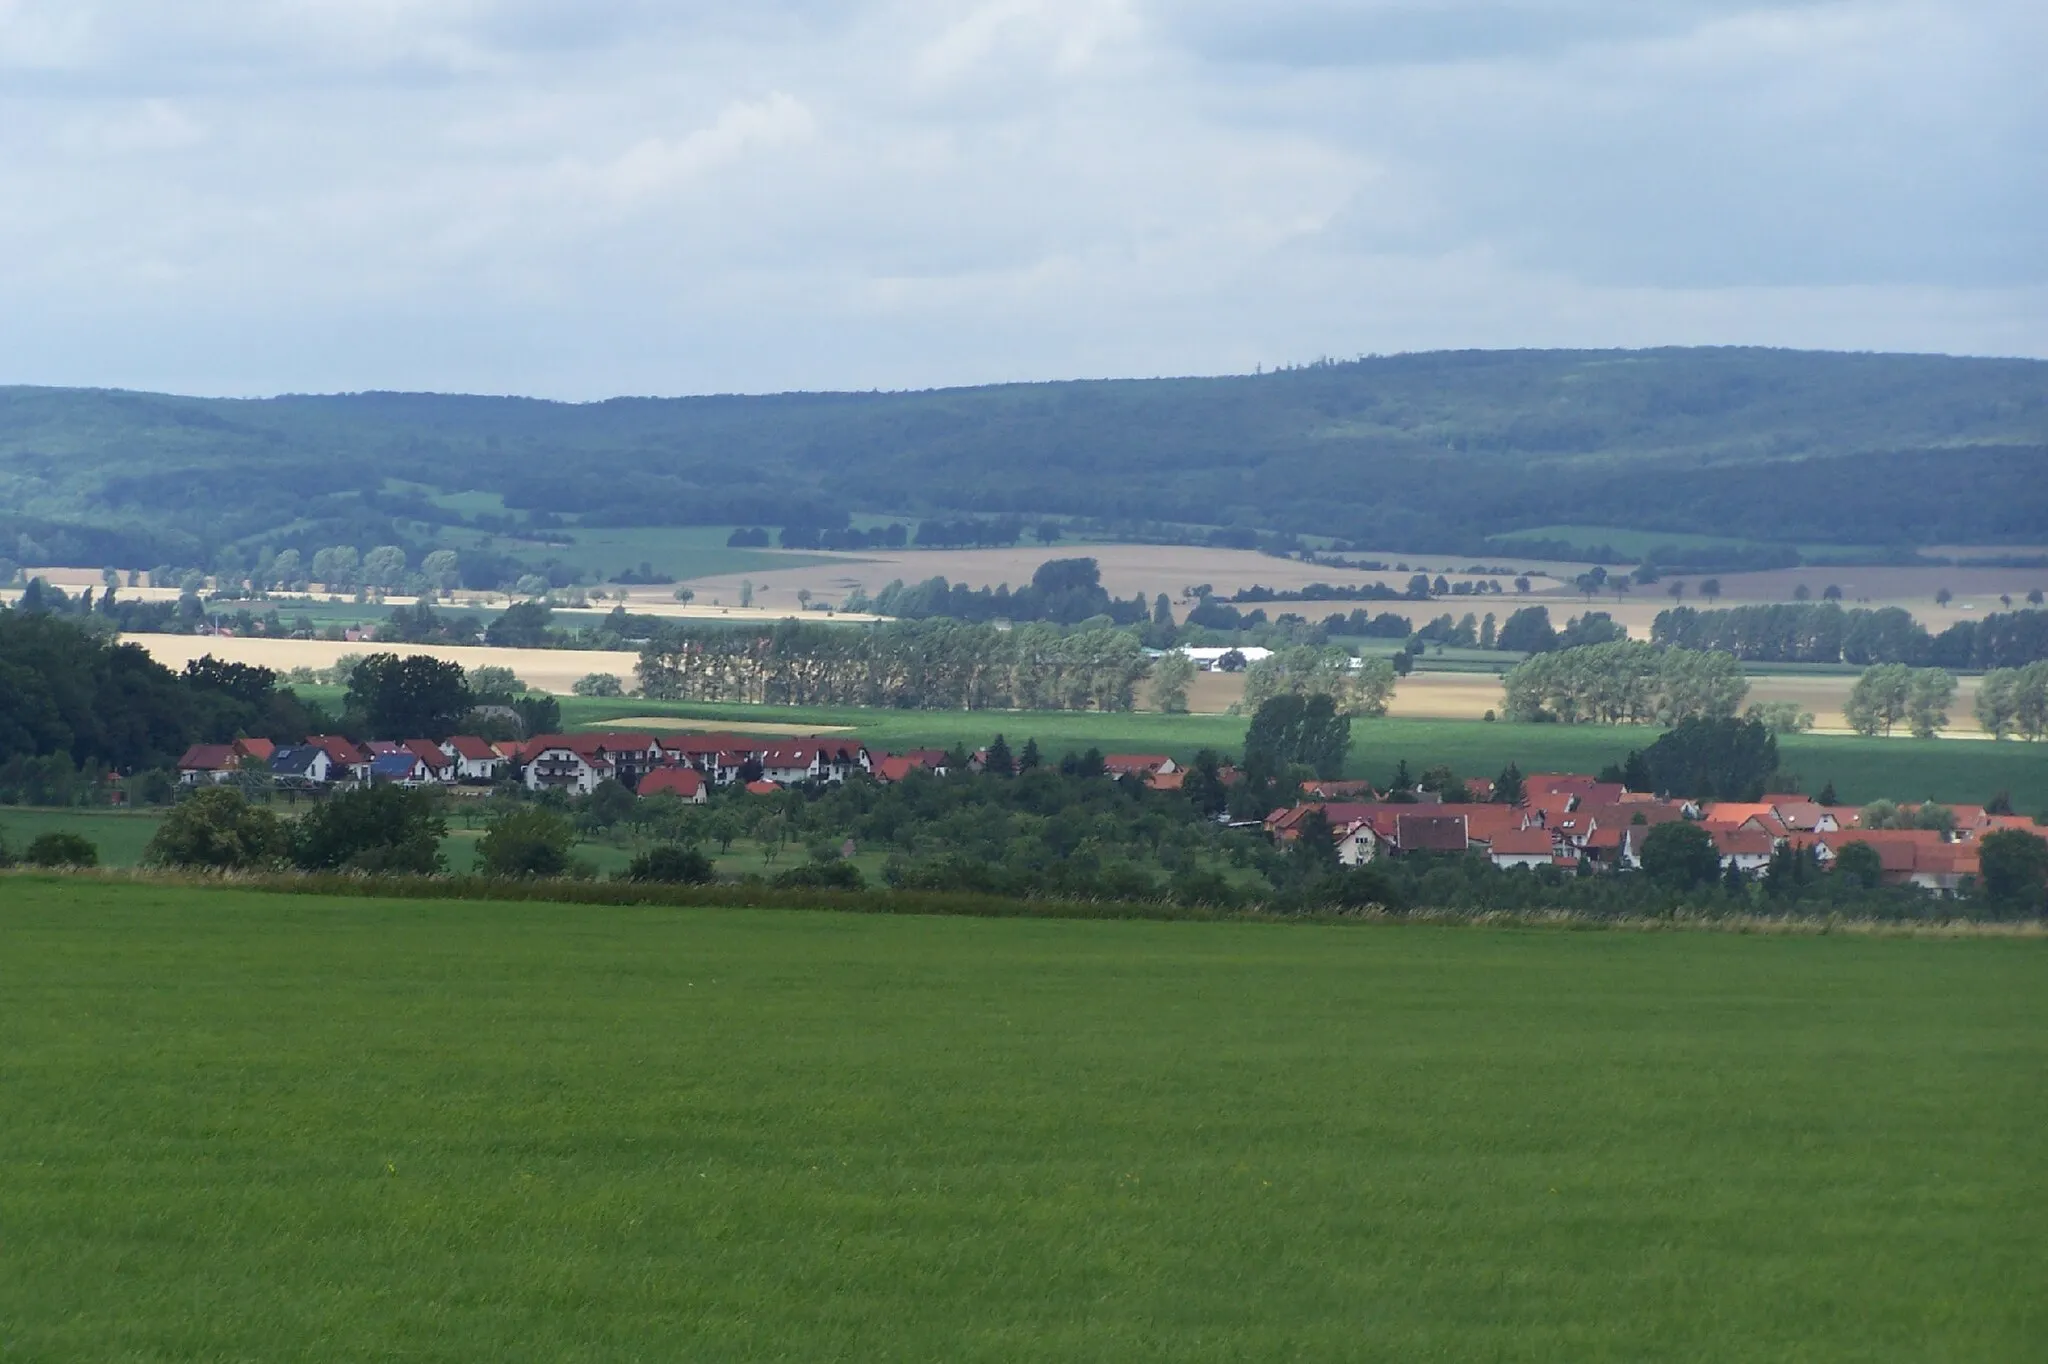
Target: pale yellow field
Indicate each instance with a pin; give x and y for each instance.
(550, 670)
(1468, 696)
(1126, 569)
(1977, 592)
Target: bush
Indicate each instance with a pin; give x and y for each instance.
(599, 684)
(838, 875)
(671, 866)
(374, 829)
(57, 849)
(218, 829)
(528, 840)
(1681, 855)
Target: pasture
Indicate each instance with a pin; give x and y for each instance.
(1862, 770)
(241, 1124)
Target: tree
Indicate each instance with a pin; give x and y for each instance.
(1528, 631)
(442, 570)
(1676, 591)
(415, 697)
(1289, 730)
(671, 865)
(1802, 593)
(1314, 850)
(218, 830)
(609, 803)
(685, 595)
(1827, 798)
(1831, 593)
(1859, 863)
(522, 625)
(1508, 788)
(598, 684)
(746, 592)
(491, 683)
(1029, 759)
(1710, 588)
(1928, 699)
(997, 760)
(376, 829)
(1172, 673)
(1682, 855)
(525, 841)
(2014, 866)
(1880, 699)
(1944, 597)
(384, 567)
(1721, 758)
(60, 848)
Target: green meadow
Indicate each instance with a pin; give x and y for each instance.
(1862, 770)
(254, 1127)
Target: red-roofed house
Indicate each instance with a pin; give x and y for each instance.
(580, 762)
(256, 749)
(433, 758)
(1521, 848)
(207, 764)
(802, 760)
(476, 760)
(1431, 833)
(686, 784)
(346, 760)
(1137, 764)
(762, 788)
(1749, 850)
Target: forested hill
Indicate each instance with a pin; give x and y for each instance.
(1417, 451)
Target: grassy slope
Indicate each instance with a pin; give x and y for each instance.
(237, 1125)
(1862, 770)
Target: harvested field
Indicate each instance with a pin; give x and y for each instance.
(1126, 569)
(551, 670)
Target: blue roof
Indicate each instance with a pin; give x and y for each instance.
(393, 765)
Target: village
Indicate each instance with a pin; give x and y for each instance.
(1568, 821)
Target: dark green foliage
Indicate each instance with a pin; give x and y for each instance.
(608, 804)
(59, 849)
(1508, 788)
(523, 625)
(1528, 630)
(997, 760)
(372, 829)
(832, 875)
(414, 697)
(2014, 864)
(1681, 855)
(1304, 730)
(526, 841)
(1063, 591)
(218, 830)
(671, 865)
(1828, 633)
(1709, 759)
(1422, 449)
(1859, 864)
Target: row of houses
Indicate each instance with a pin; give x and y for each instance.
(686, 766)
(1572, 821)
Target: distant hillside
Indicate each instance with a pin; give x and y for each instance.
(1432, 451)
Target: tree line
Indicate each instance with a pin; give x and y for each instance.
(1825, 632)
(1624, 682)
(916, 665)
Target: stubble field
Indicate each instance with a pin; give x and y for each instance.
(258, 1127)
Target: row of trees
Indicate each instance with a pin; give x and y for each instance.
(1892, 694)
(1827, 633)
(919, 665)
(1624, 682)
(1064, 591)
(1361, 687)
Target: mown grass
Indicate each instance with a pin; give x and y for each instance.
(242, 1126)
(1862, 770)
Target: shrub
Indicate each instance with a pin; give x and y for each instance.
(375, 829)
(838, 875)
(599, 684)
(59, 849)
(218, 829)
(528, 840)
(1681, 855)
(670, 866)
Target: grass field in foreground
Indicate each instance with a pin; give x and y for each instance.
(1862, 770)
(250, 1127)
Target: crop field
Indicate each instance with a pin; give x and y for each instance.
(554, 670)
(242, 1126)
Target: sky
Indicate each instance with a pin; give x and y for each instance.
(588, 198)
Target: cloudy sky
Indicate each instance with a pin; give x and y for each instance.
(578, 198)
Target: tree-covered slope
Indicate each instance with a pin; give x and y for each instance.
(1429, 450)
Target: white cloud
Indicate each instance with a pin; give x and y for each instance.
(641, 195)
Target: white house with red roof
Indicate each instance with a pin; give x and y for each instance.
(686, 784)
(476, 760)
